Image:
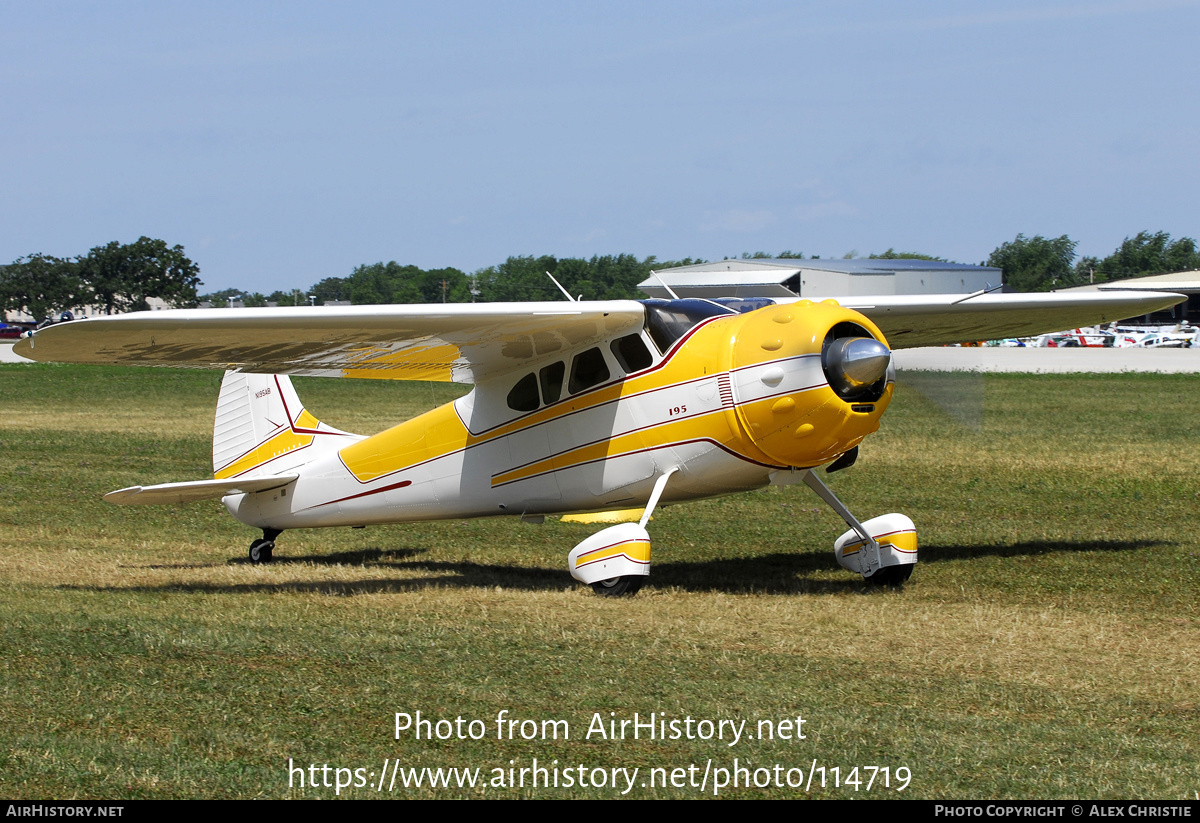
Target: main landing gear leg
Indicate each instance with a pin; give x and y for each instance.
(263, 548)
(616, 561)
(883, 550)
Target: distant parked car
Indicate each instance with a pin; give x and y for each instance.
(13, 331)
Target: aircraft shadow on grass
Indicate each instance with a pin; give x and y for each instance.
(779, 573)
(1032, 548)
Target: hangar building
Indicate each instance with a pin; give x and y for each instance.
(819, 279)
(1180, 282)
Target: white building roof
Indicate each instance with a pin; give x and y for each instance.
(1182, 282)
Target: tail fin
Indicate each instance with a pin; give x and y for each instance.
(263, 429)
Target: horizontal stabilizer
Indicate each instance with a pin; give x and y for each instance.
(195, 490)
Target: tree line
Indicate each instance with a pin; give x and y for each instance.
(114, 278)
(117, 278)
(1044, 263)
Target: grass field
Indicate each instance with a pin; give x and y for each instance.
(1047, 646)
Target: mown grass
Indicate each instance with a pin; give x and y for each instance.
(1046, 647)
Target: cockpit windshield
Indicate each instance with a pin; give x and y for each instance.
(669, 320)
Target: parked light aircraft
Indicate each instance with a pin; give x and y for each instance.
(576, 406)
(1078, 338)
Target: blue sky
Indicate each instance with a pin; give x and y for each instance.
(281, 143)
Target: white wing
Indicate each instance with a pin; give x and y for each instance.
(932, 320)
(460, 343)
(469, 343)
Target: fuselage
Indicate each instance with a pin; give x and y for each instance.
(728, 398)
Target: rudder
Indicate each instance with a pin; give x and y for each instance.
(262, 428)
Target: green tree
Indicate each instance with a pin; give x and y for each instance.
(519, 279)
(42, 286)
(291, 297)
(444, 285)
(605, 277)
(1146, 254)
(220, 299)
(122, 277)
(331, 288)
(1182, 255)
(377, 283)
(368, 285)
(1035, 263)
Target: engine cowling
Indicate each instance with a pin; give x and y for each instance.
(810, 380)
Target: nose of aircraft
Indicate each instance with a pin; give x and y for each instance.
(854, 363)
(809, 381)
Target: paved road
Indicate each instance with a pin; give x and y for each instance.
(6, 355)
(1090, 361)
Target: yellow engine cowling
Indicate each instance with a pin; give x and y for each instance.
(784, 359)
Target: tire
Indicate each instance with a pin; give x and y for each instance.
(261, 551)
(892, 576)
(626, 586)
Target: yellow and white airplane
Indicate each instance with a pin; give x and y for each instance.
(576, 406)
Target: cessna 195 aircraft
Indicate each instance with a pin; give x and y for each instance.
(576, 407)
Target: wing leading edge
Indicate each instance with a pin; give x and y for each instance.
(909, 321)
(460, 343)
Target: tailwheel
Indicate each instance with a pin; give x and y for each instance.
(261, 550)
(626, 586)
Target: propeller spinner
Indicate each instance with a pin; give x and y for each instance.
(854, 365)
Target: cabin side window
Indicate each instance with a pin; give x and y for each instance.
(631, 353)
(524, 396)
(552, 381)
(587, 369)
